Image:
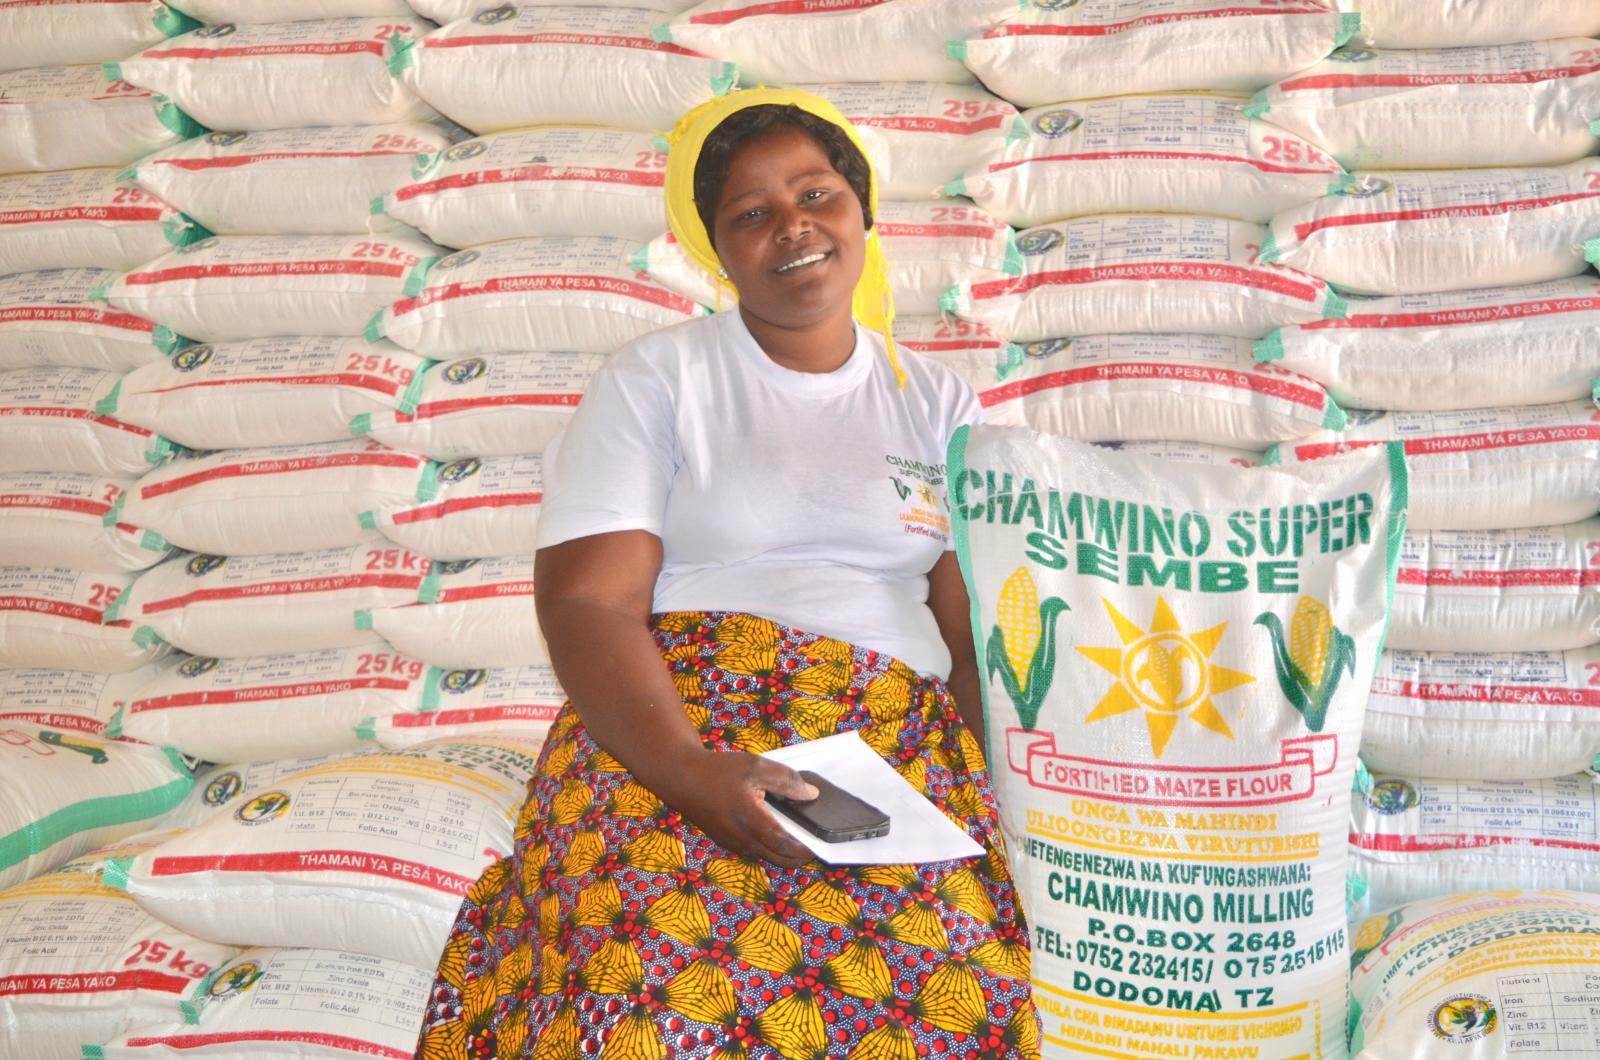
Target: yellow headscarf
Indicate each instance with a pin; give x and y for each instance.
(873, 304)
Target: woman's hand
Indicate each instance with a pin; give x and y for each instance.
(723, 794)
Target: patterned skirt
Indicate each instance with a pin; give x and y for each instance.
(617, 929)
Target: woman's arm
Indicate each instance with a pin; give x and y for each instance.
(593, 597)
(947, 597)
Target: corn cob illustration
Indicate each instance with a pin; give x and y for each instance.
(1312, 660)
(1022, 647)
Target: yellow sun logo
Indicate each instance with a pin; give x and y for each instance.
(1165, 672)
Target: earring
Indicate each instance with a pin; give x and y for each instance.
(723, 273)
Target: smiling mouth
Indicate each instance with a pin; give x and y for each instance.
(797, 263)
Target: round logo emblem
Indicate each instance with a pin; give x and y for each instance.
(196, 666)
(268, 806)
(462, 152)
(1390, 797)
(1361, 417)
(225, 139)
(187, 360)
(1370, 935)
(199, 566)
(1054, 123)
(204, 244)
(1039, 241)
(1364, 187)
(1055, 5)
(458, 259)
(458, 372)
(1353, 54)
(1046, 347)
(460, 469)
(235, 980)
(495, 15)
(458, 681)
(222, 789)
(221, 29)
(1463, 1018)
(454, 566)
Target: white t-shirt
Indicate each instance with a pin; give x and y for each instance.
(816, 500)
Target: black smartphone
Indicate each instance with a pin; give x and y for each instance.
(835, 815)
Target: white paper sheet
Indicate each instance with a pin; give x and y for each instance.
(918, 832)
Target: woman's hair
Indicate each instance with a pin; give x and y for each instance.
(752, 123)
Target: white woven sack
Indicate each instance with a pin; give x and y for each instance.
(48, 318)
(288, 181)
(291, 1004)
(71, 32)
(282, 75)
(1526, 104)
(85, 218)
(921, 135)
(1459, 23)
(76, 701)
(469, 613)
(1413, 838)
(57, 618)
(58, 419)
(246, 11)
(1484, 469)
(83, 963)
(665, 261)
(288, 867)
(556, 181)
(219, 789)
(510, 67)
(1188, 453)
(270, 706)
(242, 606)
(58, 519)
(505, 405)
(1421, 232)
(487, 507)
(1110, 388)
(1463, 349)
(940, 338)
(289, 498)
(230, 288)
(69, 117)
(63, 793)
(466, 704)
(579, 293)
(932, 246)
(443, 11)
(1121, 273)
(1081, 49)
(1174, 153)
(1498, 590)
(1484, 716)
(292, 391)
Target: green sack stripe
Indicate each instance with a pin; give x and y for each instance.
(417, 278)
(103, 812)
(1269, 348)
(411, 396)
(1333, 417)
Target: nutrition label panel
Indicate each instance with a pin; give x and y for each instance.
(1557, 1012)
(1564, 807)
(65, 930)
(345, 985)
(427, 816)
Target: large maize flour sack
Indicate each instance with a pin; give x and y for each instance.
(58, 519)
(57, 618)
(1450, 108)
(285, 181)
(64, 793)
(1461, 349)
(504, 405)
(468, 613)
(83, 962)
(53, 32)
(1447, 23)
(60, 419)
(469, 703)
(1413, 838)
(1536, 589)
(288, 391)
(67, 117)
(1152, 272)
(487, 507)
(561, 293)
(268, 605)
(786, 43)
(1419, 232)
(48, 318)
(253, 77)
(931, 247)
(1177, 153)
(1484, 469)
(86, 217)
(230, 288)
(246, 11)
(287, 498)
(1065, 49)
(1484, 716)
(271, 706)
(1478, 976)
(295, 1004)
(1176, 662)
(1197, 388)
(922, 134)
(508, 67)
(557, 181)
(372, 853)
(68, 700)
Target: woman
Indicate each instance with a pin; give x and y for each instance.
(743, 545)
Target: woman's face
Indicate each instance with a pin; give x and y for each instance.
(789, 231)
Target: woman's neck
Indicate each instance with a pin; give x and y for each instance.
(820, 347)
